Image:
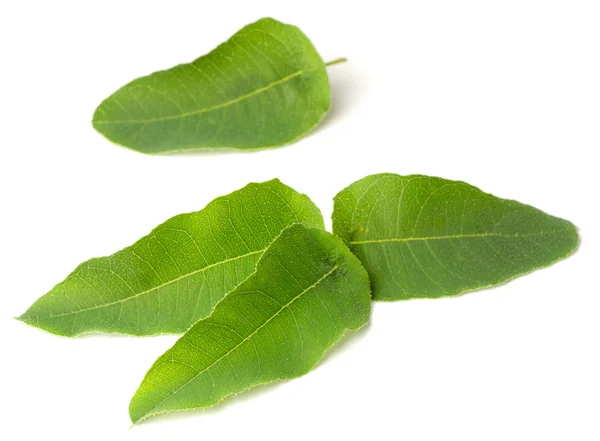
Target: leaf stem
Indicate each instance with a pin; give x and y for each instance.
(336, 61)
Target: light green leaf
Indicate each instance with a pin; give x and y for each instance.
(174, 276)
(264, 87)
(419, 236)
(308, 289)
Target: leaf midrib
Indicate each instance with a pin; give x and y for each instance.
(427, 238)
(206, 109)
(314, 285)
(162, 285)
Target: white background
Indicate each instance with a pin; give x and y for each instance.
(502, 94)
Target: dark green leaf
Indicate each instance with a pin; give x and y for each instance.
(419, 236)
(266, 86)
(174, 276)
(308, 289)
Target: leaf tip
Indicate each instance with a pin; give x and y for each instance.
(22, 318)
(38, 322)
(135, 414)
(137, 418)
(28, 320)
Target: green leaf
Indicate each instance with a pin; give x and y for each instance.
(308, 289)
(174, 276)
(264, 87)
(419, 236)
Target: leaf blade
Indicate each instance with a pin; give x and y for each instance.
(308, 289)
(243, 95)
(429, 237)
(175, 275)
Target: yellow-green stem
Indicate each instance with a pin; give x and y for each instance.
(336, 61)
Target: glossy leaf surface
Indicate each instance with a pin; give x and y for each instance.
(174, 276)
(308, 290)
(420, 236)
(266, 86)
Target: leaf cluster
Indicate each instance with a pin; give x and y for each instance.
(253, 282)
(260, 290)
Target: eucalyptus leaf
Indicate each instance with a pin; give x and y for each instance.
(307, 291)
(175, 275)
(264, 87)
(421, 236)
